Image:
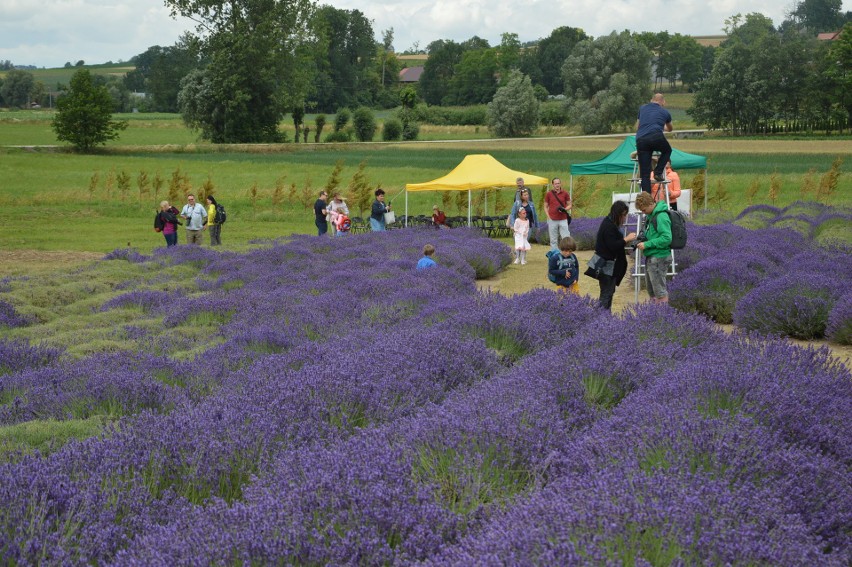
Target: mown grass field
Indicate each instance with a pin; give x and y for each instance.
(47, 201)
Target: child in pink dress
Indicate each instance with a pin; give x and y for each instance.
(521, 228)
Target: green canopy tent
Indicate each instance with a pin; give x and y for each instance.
(619, 162)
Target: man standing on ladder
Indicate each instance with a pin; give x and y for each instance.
(653, 120)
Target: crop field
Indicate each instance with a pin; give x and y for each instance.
(289, 399)
(319, 401)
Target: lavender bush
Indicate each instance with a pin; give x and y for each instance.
(839, 326)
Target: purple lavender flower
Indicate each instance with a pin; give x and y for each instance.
(9, 317)
(795, 305)
(839, 326)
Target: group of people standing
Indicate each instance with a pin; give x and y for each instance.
(612, 240)
(336, 213)
(197, 218)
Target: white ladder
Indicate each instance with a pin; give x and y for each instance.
(635, 218)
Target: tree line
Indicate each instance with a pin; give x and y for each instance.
(249, 64)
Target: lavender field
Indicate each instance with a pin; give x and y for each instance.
(318, 401)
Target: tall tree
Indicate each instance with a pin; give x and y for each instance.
(474, 78)
(256, 66)
(344, 56)
(819, 15)
(741, 92)
(551, 54)
(514, 112)
(606, 80)
(84, 114)
(17, 88)
(438, 70)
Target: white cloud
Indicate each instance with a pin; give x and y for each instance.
(51, 32)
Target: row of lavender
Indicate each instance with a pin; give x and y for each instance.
(356, 411)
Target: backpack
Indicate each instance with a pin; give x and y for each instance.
(549, 254)
(159, 225)
(221, 215)
(344, 223)
(678, 221)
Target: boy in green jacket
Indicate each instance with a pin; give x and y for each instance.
(656, 245)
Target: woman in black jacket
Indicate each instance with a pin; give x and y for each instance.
(609, 245)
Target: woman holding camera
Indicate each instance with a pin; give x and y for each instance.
(609, 245)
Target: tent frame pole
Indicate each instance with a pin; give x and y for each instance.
(406, 208)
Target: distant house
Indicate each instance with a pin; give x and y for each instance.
(410, 74)
(828, 36)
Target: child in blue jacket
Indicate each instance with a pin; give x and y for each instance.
(563, 268)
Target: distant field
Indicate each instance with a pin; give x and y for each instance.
(62, 75)
(46, 202)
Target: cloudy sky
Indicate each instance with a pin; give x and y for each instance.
(49, 33)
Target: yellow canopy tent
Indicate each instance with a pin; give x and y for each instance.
(476, 171)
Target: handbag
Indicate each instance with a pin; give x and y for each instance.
(599, 266)
(390, 217)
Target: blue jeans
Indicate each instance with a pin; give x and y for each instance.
(171, 239)
(322, 227)
(376, 225)
(645, 146)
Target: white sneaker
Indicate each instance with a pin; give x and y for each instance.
(517, 261)
(523, 262)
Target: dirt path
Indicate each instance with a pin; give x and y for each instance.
(518, 279)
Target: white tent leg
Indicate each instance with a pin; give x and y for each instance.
(406, 208)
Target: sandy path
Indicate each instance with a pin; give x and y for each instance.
(517, 279)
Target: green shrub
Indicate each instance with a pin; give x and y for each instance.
(410, 131)
(338, 136)
(364, 123)
(553, 114)
(391, 130)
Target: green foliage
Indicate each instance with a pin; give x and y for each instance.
(334, 179)
(438, 70)
(159, 71)
(341, 119)
(408, 97)
(364, 123)
(338, 136)
(410, 131)
(551, 54)
(319, 123)
(467, 480)
(359, 192)
(391, 130)
(16, 88)
(606, 80)
(255, 68)
(84, 115)
(601, 391)
(473, 79)
(514, 112)
(46, 436)
(716, 403)
(553, 114)
(344, 57)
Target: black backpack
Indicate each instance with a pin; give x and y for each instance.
(221, 215)
(678, 222)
